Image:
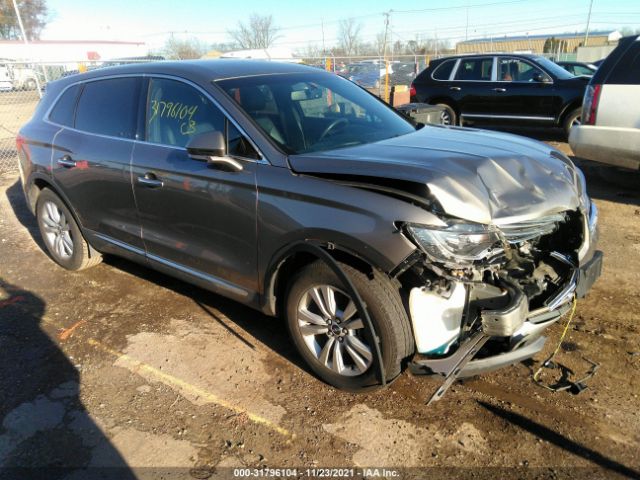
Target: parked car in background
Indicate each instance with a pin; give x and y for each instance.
(503, 89)
(6, 83)
(579, 68)
(610, 128)
(369, 74)
(22, 76)
(220, 171)
(403, 73)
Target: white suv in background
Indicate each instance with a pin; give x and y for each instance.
(610, 128)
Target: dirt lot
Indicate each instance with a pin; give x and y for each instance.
(125, 368)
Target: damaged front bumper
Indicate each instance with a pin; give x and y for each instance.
(517, 329)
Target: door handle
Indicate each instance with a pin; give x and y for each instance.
(499, 89)
(66, 161)
(457, 89)
(150, 180)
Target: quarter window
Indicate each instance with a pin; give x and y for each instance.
(109, 107)
(478, 69)
(238, 145)
(443, 71)
(62, 112)
(177, 112)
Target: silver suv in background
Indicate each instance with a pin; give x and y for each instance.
(610, 128)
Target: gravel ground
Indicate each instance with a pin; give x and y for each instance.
(120, 370)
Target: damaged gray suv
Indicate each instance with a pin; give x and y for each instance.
(381, 242)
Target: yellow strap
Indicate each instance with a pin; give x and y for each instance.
(564, 333)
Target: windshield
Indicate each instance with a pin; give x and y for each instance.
(554, 68)
(312, 112)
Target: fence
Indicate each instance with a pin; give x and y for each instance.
(21, 84)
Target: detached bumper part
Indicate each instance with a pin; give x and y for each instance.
(506, 321)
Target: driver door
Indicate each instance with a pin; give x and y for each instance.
(519, 93)
(197, 218)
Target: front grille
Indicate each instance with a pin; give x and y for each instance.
(530, 229)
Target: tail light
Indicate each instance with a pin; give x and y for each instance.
(590, 104)
(412, 90)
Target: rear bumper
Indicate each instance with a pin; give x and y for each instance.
(615, 146)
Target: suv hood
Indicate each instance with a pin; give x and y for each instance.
(480, 176)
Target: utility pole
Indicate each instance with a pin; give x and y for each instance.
(466, 29)
(384, 56)
(322, 26)
(386, 30)
(26, 42)
(586, 31)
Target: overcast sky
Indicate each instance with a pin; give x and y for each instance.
(301, 21)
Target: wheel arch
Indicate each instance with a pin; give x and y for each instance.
(446, 100)
(38, 183)
(569, 107)
(289, 261)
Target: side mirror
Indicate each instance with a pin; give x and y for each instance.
(211, 147)
(540, 78)
(208, 144)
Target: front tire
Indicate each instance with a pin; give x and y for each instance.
(330, 335)
(61, 234)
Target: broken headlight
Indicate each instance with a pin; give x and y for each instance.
(458, 243)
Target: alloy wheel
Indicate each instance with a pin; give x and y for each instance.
(57, 231)
(333, 331)
(445, 118)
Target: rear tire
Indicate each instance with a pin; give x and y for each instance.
(448, 117)
(61, 234)
(317, 335)
(571, 120)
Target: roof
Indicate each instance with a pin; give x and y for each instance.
(542, 36)
(218, 69)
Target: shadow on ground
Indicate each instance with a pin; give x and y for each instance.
(561, 441)
(45, 432)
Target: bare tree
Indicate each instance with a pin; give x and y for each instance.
(183, 49)
(34, 14)
(260, 32)
(349, 36)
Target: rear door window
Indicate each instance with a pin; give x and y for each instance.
(476, 69)
(109, 107)
(63, 110)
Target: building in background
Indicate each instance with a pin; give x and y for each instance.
(55, 51)
(563, 43)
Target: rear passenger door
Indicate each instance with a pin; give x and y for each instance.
(92, 152)
(473, 84)
(197, 219)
